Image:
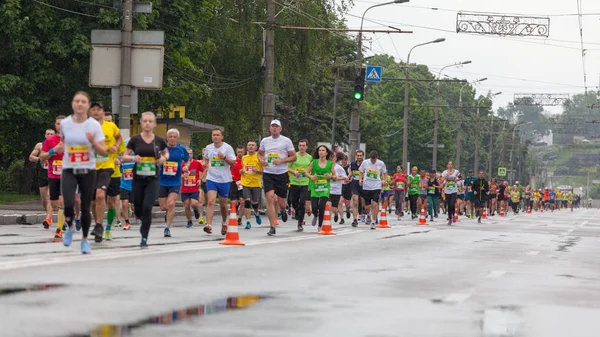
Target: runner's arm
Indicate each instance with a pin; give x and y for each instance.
(34, 157)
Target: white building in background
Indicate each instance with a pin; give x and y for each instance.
(547, 138)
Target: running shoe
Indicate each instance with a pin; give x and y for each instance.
(126, 227)
(107, 235)
(284, 216)
(258, 219)
(85, 247)
(347, 214)
(208, 229)
(314, 221)
(355, 223)
(46, 224)
(167, 232)
(223, 229)
(373, 226)
(78, 224)
(144, 244)
(58, 234)
(300, 228)
(68, 238)
(336, 218)
(97, 232)
(119, 224)
(190, 224)
(342, 221)
(248, 225)
(201, 221)
(272, 231)
(196, 214)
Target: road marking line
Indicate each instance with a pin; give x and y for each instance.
(456, 298)
(516, 261)
(533, 252)
(496, 274)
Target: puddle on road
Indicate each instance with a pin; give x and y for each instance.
(565, 245)
(501, 321)
(176, 316)
(405, 234)
(35, 287)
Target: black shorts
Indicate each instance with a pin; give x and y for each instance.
(126, 195)
(491, 196)
(234, 192)
(54, 188)
(335, 200)
(356, 190)
(371, 196)
(460, 197)
(164, 191)
(276, 182)
(42, 178)
(102, 180)
(114, 187)
(501, 197)
(347, 191)
(203, 187)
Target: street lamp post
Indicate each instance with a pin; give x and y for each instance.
(458, 131)
(354, 118)
(436, 116)
(476, 159)
(405, 127)
(512, 146)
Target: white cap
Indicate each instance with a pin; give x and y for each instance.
(276, 121)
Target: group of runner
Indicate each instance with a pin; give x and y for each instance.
(88, 170)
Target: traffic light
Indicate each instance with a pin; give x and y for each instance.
(359, 85)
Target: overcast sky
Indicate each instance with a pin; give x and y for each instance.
(512, 65)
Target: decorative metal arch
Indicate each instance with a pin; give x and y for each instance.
(503, 25)
(541, 99)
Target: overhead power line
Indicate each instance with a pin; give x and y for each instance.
(66, 10)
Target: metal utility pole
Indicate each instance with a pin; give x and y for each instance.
(476, 154)
(491, 147)
(335, 94)
(268, 94)
(436, 112)
(125, 88)
(458, 130)
(406, 79)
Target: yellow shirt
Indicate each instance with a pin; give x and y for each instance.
(251, 179)
(110, 131)
(122, 149)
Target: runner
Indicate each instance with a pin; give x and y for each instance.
(413, 192)
(83, 138)
(432, 198)
(357, 191)
(42, 169)
(126, 195)
(515, 198)
(460, 198)
(150, 152)
(469, 195)
(537, 195)
(218, 179)
(552, 196)
(105, 167)
(203, 191)
(235, 191)
(335, 193)
(502, 196)
(190, 188)
(299, 193)
(346, 189)
(114, 188)
(372, 172)
(386, 193)
(321, 171)
(480, 188)
(527, 197)
(423, 189)
(170, 178)
(275, 152)
(451, 190)
(52, 151)
(399, 182)
(251, 183)
(493, 197)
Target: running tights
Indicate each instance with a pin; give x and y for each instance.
(318, 207)
(399, 199)
(451, 199)
(145, 192)
(413, 203)
(298, 196)
(87, 186)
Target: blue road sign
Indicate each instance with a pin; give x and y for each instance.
(374, 73)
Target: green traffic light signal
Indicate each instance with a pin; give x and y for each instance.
(357, 95)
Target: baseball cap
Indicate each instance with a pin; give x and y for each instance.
(276, 122)
(98, 104)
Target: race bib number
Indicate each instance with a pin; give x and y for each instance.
(128, 174)
(271, 157)
(302, 172)
(321, 185)
(469, 189)
(451, 184)
(170, 168)
(400, 185)
(431, 190)
(356, 175)
(239, 185)
(250, 169)
(100, 159)
(45, 165)
(57, 167)
(372, 174)
(216, 162)
(190, 181)
(146, 167)
(79, 155)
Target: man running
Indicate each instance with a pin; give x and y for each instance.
(52, 151)
(480, 188)
(126, 194)
(42, 169)
(235, 191)
(114, 188)
(275, 152)
(252, 171)
(372, 173)
(105, 167)
(190, 188)
(299, 194)
(221, 157)
(469, 213)
(170, 177)
(357, 190)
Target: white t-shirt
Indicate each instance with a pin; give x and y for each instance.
(78, 149)
(218, 169)
(372, 174)
(336, 185)
(276, 148)
(451, 181)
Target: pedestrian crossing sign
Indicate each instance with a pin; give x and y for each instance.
(501, 171)
(374, 73)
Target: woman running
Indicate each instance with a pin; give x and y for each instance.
(150, 153)
(450, 177)
(432, 197)
(321, 171)
(492, 196)
(399, 183)
(335, 192)
(81, 136)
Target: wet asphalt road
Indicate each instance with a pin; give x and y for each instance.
(529, 275)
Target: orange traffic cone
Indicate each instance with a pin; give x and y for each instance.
(422, 218)
(501, 210)
(326, 229)
(383, 223)
(484, 215)
(233, 236)
(529, 210)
